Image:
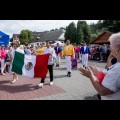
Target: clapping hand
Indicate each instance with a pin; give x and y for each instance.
(86, 72)
(94, 69)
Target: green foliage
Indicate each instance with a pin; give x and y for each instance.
(93, 36)
(79, 33)
(25, 36)
(86, 31)
(71, 32)
(112, 25)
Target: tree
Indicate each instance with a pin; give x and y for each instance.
(93, 36)
(62, 28)
(79, 33)
(71, 32)
(52, 30)
(112, 25)
(25, 36)
(86, 31)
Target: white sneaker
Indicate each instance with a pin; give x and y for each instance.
(13, 81)
(51, 83)
(3, 74)
(41, 85)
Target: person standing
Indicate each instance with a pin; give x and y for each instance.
(7, 60)
(40, 51)
(69, 53)
(3, 55)
(109, 89)
(12, 54)
(85, 51)
(57, 51)
(52, 55)
(27, 51)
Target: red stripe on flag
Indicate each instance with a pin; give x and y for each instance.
(40, 69)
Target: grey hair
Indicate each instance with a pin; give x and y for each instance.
(115, 41)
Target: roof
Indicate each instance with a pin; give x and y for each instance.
(16, 35)
(102, 38)
(48, 36)
(3, 34)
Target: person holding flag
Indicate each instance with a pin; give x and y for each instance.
(52, 55)
(12, 54)
(69, 53)
(85, 51)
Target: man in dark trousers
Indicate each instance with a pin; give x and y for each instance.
(51, 52)
(58, 51)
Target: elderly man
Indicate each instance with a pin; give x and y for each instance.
(109, 89)
(57, 51)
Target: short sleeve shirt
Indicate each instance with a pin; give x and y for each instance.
(112, 82)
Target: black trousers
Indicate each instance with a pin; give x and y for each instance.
(50, 69)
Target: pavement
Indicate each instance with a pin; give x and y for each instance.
(76, 87)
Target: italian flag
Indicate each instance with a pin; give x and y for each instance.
(30, 65)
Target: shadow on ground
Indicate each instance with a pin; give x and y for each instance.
(60, 76)
(12, 88)
(91, 97)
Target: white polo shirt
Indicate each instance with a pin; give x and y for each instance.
(112, 82)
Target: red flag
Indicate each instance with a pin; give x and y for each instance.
(41, 66)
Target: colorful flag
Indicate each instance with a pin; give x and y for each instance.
(30, 65)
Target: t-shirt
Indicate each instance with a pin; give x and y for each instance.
(53, 55)
(40, 51)
(112, 82)
(12, 52)
(28, 51)
(84, 48)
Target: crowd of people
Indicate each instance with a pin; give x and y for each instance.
(100, 52)
(106, 82)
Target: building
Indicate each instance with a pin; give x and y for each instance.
(48, 36)
(43, 37)
(102, 38)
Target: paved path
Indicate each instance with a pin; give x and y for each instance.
(77, 87)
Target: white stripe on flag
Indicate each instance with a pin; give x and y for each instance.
(29, 72)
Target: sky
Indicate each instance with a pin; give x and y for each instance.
(11, 27)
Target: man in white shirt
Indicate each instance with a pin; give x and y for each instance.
(50, 51)
(85, 51)
(112, 82)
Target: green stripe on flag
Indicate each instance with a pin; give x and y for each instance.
(18, 63)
